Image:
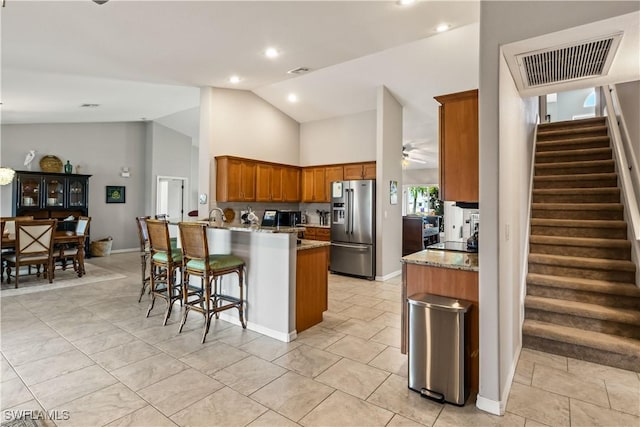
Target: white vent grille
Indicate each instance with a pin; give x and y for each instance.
(299, 70)
(576, 61)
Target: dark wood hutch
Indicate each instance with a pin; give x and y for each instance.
(51, 195)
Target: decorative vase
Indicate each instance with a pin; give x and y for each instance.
(68, 168)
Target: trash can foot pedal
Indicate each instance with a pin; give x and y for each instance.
(433, 395)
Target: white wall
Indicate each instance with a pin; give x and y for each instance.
(517, 126)
(420, 176)
(239, 123)
(350, 138)
(388, 168)
(503, 22)
(170, 156)
(102, 149)
(629, 96)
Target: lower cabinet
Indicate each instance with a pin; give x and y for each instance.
(318, 233)
(312, 277)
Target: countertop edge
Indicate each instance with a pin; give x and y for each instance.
(311, 244)
(444, 259)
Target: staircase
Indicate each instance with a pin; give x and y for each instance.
(581, 300)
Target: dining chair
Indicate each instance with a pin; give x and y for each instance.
(75, 251)
(165, 260)
(8, 233)
(145, 252)
(209, 268)
(34, 246)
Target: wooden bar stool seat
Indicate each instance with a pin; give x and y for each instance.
(210, 269)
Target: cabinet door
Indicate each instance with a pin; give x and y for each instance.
(307, 185)
(29, 192)
(291, 184)
(54, 192)
(353, 171)
(77, 190)
(319, 185)
(323, 234)
(276, 183)
(369, 170)
(310, 233)
(332, 173)
(228, 180)
(248, 181)
(263, 182)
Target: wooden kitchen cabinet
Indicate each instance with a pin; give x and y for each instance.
(314, 185)
(311, 286)
(332, 173)
(360, 171)
(235, 179)
(458, 139)
(268, 183)
(317, 233)
(290, 184)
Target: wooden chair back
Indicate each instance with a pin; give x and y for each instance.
(143, 233)
(159, 240)
(9, 223)
(193, 237)
(82, 226)
(35, 238)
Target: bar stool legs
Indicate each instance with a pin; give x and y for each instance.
(146, 280)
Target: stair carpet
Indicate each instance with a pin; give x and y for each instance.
(582, 300)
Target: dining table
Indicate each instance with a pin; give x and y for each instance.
(60, 238)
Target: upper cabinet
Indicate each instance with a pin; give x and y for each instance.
(314, 185)
(331, 173)
(290, 184)
(277, 183)
(360, 171)
(235, 179)
(458, 135)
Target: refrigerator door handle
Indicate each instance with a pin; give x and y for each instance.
(343, 245)
(351, 210)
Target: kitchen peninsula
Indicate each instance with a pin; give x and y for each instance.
(271, 257)
(449, 274)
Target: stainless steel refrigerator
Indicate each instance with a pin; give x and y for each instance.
(353, 228)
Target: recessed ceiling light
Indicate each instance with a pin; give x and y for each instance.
(234, 79)
(443, 27)
(89, 105)
(292, 97)
(271, 52)
(405, 2)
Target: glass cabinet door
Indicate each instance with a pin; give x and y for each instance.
(54, 188)
(29, 192)
(77, 192)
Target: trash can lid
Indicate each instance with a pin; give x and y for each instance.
(439, 302)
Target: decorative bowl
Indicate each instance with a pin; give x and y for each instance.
(51, 164)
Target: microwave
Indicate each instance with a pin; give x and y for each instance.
(288, 218)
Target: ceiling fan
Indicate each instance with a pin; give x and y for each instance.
(407, 155)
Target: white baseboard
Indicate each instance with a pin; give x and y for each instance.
(498, 407)
(491, 406)
(280, 336)
(120, 251)
(388, 276)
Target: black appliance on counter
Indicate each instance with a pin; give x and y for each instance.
(288, 218)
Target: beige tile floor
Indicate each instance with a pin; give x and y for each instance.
(89, 351)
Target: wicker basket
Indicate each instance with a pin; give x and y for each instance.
(51, 164)
(101, 247)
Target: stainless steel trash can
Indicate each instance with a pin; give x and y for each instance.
(437, 367)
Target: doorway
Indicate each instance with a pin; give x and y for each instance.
(171, 197)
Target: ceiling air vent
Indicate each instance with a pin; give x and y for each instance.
(575, 61)
(299, 70)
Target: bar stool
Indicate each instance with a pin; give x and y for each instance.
(164, 261)
(210, 268)
(145, 251)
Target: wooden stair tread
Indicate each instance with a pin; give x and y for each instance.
(578, 163)
(605, 342)
(576, 176)
(578, 206)
(571, 141)
(587, 223)
(583, 309)
(583, 262)
(560, 153)
(579, 241)
(597, 190)
(587, 285)
(573, 123)
(571, 130)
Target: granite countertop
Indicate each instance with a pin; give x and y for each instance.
(311, 244)
(446, 259)
(313, 225)
(250, 228)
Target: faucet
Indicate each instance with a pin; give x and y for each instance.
(216, 209)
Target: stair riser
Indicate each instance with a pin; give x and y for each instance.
(581, 251)
(604, 233)
(571, 214)
(573, 170)
(612, 197)
(582, 272)
(573, 124)
(622, 361)
(619, 301)
(570, 134)
(559, 146)
(572, 157)
(585, 323)
(574, 183)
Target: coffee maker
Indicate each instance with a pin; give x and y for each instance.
(474, 226)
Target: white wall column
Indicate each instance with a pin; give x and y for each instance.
(204, 151)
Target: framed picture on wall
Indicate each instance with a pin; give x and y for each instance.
(393, 192)
(115, 194)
